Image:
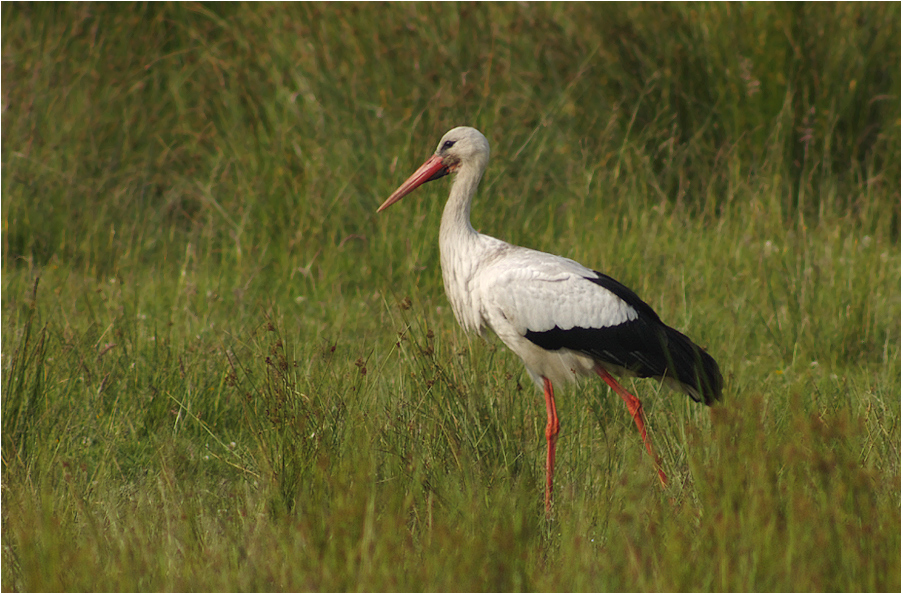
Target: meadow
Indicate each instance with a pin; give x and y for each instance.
(222, 371)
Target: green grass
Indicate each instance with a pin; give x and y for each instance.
(223, 371)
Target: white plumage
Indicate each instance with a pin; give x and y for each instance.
(526, 290)
(563, 319)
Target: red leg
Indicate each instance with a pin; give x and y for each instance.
(552, 427)
(636, 410)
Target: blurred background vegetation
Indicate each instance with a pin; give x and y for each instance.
(130, 130)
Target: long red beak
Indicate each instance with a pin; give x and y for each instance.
(426, 172)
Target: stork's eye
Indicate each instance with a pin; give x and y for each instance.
(448, 145)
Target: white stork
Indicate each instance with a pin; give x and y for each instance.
(563, 319)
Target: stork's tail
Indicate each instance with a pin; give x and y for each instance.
(695, 370)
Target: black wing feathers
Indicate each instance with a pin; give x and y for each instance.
(625, 293)
(645, 346)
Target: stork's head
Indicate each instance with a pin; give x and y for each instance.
(461, 147)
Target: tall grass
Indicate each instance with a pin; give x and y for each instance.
(223, 371)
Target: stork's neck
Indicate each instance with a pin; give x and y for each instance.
(455, 229)
(461, 247)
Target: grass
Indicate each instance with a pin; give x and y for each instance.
(223, 371)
